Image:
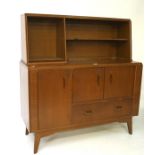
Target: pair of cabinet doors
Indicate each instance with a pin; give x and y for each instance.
(59, 89)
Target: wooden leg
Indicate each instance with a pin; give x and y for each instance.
(26, 132)
(36, 142)
(129, 124)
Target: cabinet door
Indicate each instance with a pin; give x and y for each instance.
(87, 84)
(119, 81)
(53, 98)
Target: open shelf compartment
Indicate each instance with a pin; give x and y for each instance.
(46, 39)
(80, 29)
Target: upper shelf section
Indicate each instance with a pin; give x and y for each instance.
(54, 38)
(95, 30)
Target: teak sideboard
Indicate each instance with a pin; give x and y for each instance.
(77, 72)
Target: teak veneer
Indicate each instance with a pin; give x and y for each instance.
(77, 72)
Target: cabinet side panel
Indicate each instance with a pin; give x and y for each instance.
(137, 88)
(33, 99)
(24, 94)
(24, 37)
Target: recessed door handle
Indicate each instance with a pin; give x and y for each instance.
(110, 78)
(98, 80)
(64, 82)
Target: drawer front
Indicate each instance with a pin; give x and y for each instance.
(122, 108)
(98, 111)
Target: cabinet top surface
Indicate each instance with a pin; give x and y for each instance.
(75, 17)
(79, 65)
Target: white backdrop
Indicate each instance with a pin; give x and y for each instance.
(12, 128)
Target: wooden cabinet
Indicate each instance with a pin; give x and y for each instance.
(77, 72)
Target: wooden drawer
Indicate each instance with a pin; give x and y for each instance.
(122, 108)
(97, 111)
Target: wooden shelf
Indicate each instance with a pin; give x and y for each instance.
(85, 39)
(46, 59)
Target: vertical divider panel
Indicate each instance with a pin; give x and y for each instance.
(61, 46)
(66, 57)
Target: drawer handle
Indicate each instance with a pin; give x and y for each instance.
(119, 107)
(88, 112)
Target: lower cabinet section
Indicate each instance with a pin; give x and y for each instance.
(100, 111)
(63, 98)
